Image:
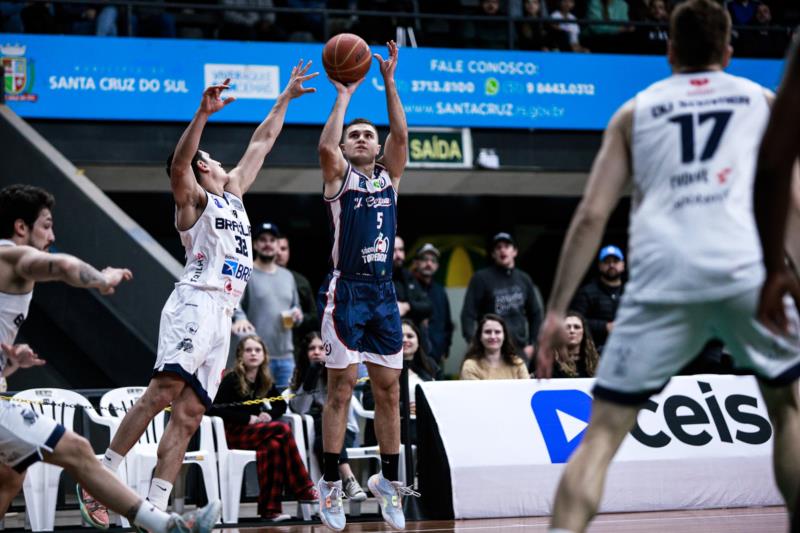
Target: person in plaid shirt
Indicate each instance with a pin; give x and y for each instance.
(257, 427)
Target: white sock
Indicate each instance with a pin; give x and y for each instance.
(159, 492)
(151, 518)
(112, 460)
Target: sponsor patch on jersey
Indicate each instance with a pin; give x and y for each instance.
(19, 319)
(230, 266)
(237, 204)
(218, 203)
(186, 345)
(377, 252)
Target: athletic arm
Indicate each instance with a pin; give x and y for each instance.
(331, 158)
(34, 265)
(185, 189)
(263, 139)
(608, 178)
(395, 150)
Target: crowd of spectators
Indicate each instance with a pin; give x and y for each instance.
(762, 27)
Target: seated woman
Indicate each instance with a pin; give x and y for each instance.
(491, 353)
(579, 358)
(256, 427)
(309, 383)
(421, 368)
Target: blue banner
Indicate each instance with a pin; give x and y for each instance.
(71, 77)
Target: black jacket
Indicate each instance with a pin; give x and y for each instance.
(509, 293)
(440, 327)
(409, 290)
(240, 415)
(597, 302)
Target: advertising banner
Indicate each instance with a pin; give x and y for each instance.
(109, 78)
(507, 441)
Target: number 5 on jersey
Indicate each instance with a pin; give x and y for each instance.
(380, 219)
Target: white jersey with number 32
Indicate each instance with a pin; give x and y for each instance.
(218, 247)
(694, 147)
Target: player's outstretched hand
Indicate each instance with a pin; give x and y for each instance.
(552, 336)
(114, 276)
(771, 311)
(295, 86)
(389, 64)
(22, 355)
(212, 101)
(349, 89)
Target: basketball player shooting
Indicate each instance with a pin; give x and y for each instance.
(696, 263)
(360, 317)
(195, 328)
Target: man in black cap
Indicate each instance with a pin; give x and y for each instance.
(440, 327)
(504, 290)
(598, 300)
(270, 306)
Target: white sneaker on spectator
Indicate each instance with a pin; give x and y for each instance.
(353, 490)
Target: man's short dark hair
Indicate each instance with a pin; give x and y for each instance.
(700, 31)
(23, 202)
(358, 121)
(195, 158)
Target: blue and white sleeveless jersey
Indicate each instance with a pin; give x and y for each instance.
(363, 220)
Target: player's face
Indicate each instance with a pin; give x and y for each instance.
(41, 235)
(399, 256)
(574, 331)
(266, 245)
(213, 167)
(361, 144)
(316, 351)
(282, 252)
(611, 268)
(410, 342)
(504, 254)
(492, 335)
(253, 354)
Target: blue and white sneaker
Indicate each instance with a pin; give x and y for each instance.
(389, 495)
(331, 511)
(199, 521)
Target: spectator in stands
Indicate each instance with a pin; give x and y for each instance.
(579, 358)
(439, 325)
(760, 41)
(743, 12)
(242, 25)
(256, 427)
(608, 38)
(270, 306)
(309, 383)
(306, 294)
(598, 300)
(487, 33)
(420, 367)
(412, 300)
(653, 39)
(507, 291)
(531, 35)
(567, 35)
(491, 353)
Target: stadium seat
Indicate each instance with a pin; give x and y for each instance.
(42, 479)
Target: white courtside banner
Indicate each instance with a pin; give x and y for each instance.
(704, 442)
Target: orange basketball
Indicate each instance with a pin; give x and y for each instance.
(346, 58)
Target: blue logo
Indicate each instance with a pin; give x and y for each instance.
(229, 267)
(562, 416)
(218, 203)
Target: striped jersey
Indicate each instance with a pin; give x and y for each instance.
(694, 147)
(13, 310)
(363, 223)
(218, 248)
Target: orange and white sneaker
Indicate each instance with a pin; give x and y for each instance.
(92, 511)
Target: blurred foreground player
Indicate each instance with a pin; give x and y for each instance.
(689, 145)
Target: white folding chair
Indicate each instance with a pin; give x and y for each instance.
(41, 480)
(141, 460)
(231, 472)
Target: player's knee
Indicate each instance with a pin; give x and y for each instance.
(10, 481)
(388, 391)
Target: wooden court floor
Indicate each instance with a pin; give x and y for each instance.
(746, 520)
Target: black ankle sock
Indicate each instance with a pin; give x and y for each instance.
(330, 466)
(389, 465)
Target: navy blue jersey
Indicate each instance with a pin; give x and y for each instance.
(363, 221)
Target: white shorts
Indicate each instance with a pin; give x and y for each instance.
(193, 339)
(651, 342)
(24, 434)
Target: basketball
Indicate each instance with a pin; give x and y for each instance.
(346, 58)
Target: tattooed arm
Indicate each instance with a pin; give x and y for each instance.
(34, 265)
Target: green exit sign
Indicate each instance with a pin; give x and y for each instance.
(439, 148)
